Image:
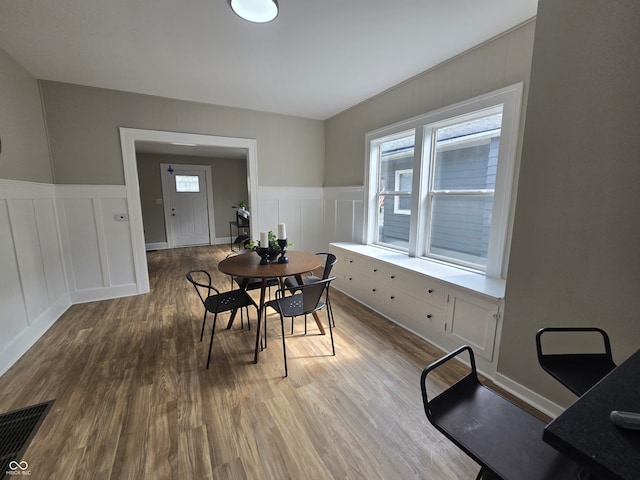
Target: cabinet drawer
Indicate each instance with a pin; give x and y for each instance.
(366, 289)
(419, 286)
(417, 315)
(363, 265)
(372, 290)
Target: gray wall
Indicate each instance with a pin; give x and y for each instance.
(229, 177)
(575, 256)
(83, 130)
(501, 62)
(575, 252)
(25, 152)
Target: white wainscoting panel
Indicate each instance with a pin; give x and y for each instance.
(29, 255)
(33, 290)
(80, 233)
(47, 221)
(300, 208)
(344, 213)
(13, 311)
(97, 241)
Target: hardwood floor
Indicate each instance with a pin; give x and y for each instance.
(133, 399)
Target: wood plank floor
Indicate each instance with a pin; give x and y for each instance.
(134, 401)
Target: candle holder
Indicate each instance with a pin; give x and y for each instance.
(264, 255)
(283, 250)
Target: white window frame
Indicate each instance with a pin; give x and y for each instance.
(504, 196)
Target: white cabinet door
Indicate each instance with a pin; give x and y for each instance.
(472, 320)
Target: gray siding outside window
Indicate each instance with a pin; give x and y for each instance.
(395, 225)
(461, 223)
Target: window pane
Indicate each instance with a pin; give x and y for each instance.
(187, 183)
(460, 226)
(393, 227)
(394, 191)
(467, 155)
(396, 156)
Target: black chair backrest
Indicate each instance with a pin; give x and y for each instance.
(605, 338)
(328, 264)
(578, 371)
(199, 285)
(311, 294)
(470, 377)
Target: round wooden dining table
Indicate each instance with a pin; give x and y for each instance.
(247, 266)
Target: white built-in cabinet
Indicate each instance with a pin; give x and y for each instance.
(446, 306)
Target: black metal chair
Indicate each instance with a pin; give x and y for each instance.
(292, 282)
(307, 299)
(576, 371)
(502, 437)
(217, 302)
(330, 261)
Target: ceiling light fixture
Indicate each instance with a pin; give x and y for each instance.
(256, 11)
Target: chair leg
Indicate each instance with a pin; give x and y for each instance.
(264, 325)
(263, 339)
(204, 319)
(284, 348)
(213, 331)
(329, 321)
(333, 319)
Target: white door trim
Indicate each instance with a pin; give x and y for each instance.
(128, 137)
(171, 241)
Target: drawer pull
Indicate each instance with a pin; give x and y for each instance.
(350, 261)
(350, 278)
(392, 277)
(429, 315)
(373, 289)
(392, 297)
(375, 270)
(430, 290)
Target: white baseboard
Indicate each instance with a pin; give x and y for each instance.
(165, 245)
(96, 294)
(156, 246)
(539, 402)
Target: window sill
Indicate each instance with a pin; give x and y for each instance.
(459, 277)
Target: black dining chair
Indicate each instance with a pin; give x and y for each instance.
(576, 370)
(292, 282)
(217, 302)
(307, 299)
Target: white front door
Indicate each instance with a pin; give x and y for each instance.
(186, 193)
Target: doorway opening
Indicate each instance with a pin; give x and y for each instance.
(128, 139)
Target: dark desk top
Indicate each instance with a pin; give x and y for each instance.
(585, 433)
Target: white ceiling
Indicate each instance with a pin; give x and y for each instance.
(315, 60)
